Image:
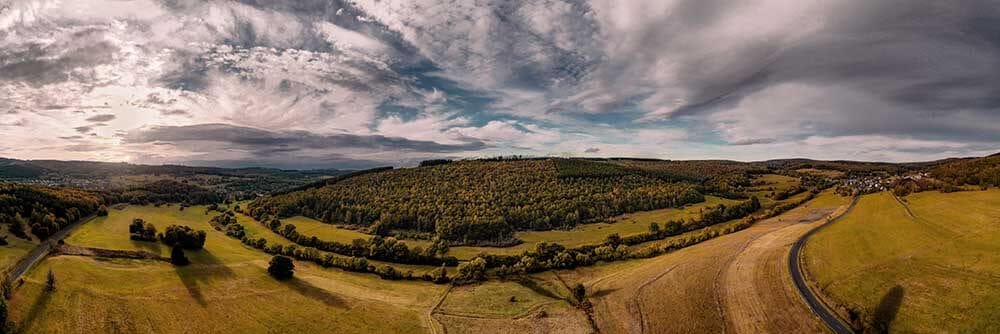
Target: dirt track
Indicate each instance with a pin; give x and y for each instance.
(738, 283)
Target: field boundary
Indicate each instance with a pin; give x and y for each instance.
(637, 305)
(814, 300)
(905, 206)
(436, 327)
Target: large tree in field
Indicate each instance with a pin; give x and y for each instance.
(281, 267)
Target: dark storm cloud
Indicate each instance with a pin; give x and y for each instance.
(83, 129)
(101, 118)
(264, 142)
(592, 150)
(932, 66)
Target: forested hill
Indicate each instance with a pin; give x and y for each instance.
(976, 171)
(482, 202)
(44, 210)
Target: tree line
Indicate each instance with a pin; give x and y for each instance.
(44, 210)
(379, 248)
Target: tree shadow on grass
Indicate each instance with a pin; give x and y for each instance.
(204, 268)
(308, 290)
(887, 309)
(37, 309)
(602, 293)
(150, 246)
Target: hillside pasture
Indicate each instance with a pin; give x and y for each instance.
(225, 289)
(935, 271)
(718, 285)
(590, 234)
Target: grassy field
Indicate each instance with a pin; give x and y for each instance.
(538, 307)
(589, 234)
(771, 183)
(13, 251)
(693, 289)
(111, 232)
(821, 172)
(225, 289)
(935, 271)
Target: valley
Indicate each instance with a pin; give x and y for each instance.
(717, 265)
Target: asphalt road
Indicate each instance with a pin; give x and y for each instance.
(42, 250)
(795, 267)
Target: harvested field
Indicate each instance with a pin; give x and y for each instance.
(694, 289)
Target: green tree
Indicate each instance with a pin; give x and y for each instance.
(281, 267)
(472, 271)
(579, 292)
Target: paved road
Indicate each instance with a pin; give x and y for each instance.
(795, 267)
(42, 250)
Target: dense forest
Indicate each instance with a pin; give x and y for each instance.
(44, 210)
(479, 202)
(979, 171)
(165, 191)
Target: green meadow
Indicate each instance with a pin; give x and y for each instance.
(225, 289)
(588, 234)
(935, 271)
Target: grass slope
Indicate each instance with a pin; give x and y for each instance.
(689, 290)
(225, 289)
(589, 234)
(938, 271)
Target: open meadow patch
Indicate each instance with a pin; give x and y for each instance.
(936, 270)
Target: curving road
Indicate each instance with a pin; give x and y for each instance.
(43, 249)
(795, 267)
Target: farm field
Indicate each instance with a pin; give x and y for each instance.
(225, 281)
(737, 282)
(934, 271)
(771, 183)
(589, 234)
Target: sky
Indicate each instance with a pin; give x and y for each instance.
(354, 84)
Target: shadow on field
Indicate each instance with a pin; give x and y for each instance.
(308, 290)
(602, 293)
(204, 268)
(887, 309)
(37, 308)
(150, 246)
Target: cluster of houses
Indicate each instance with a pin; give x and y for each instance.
(867, 184)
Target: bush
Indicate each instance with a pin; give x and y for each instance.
(177, 256)
(183, 236)
(579, 292)
(471, 271)
(141, 230)
(102, 211)
(281, 267)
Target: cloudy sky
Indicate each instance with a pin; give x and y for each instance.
(308, 83)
